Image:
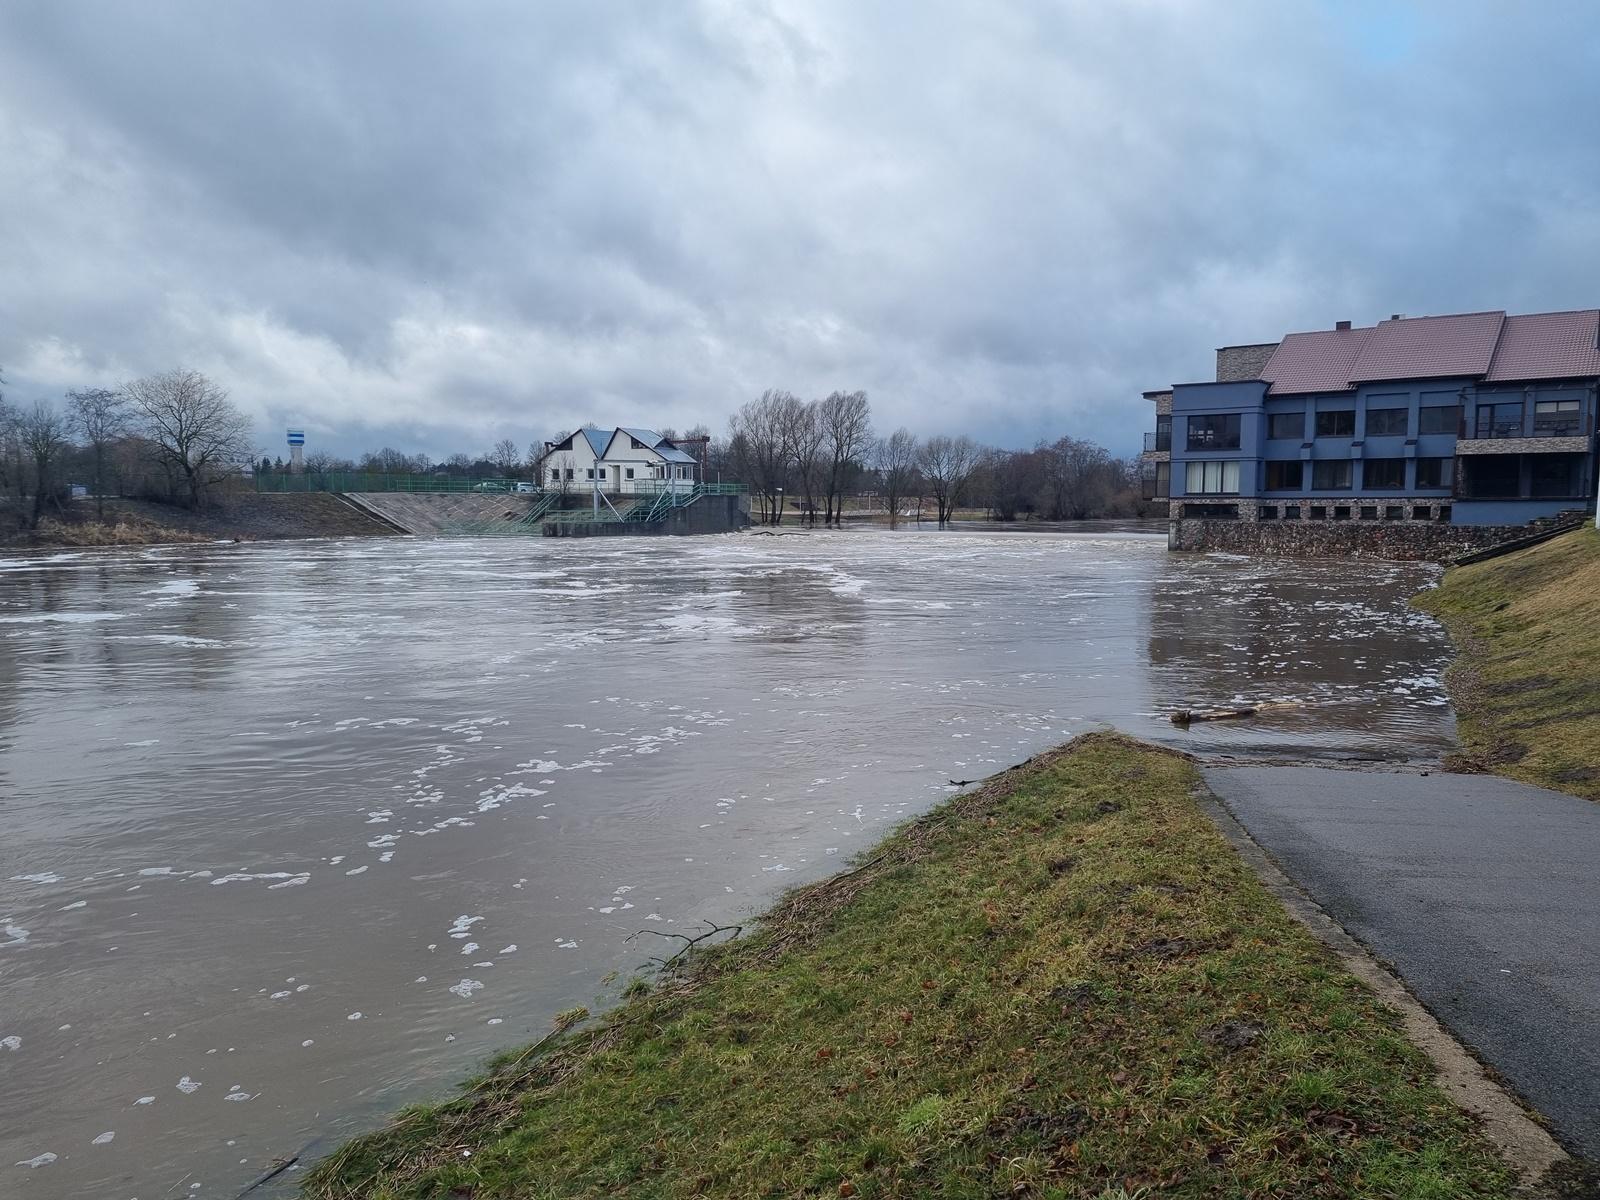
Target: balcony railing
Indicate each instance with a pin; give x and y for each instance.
(1495, 426)
(1161, 439)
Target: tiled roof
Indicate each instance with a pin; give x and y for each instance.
(1314, 362)
(1429, 347)
(1555, 345)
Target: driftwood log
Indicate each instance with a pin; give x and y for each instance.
(1187, 715)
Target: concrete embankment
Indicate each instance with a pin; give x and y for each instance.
(440, 512)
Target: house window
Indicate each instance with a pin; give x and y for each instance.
(569, 472)
(1341, 512)
(1556, 474)
(1420, 512)
(555, 474)
(1556, 418)
(1213, 478)
(1383, 473)
(1369, 512)
(1500, 420)
(1286, 426)
(1285, 475)
(1444, 514)
(588, 473)
(630, 472)
(1387, 422)
(1439, 418)
(1395, 512)
(1291, 512)
(1340, 424)
(1213, 512)
(1435, 472)
(1163, 479)
(1331, 475)
(1163, 439)
(1269, 512)
(1214, 431)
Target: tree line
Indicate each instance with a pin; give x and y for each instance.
(173, 436)
(805, 456)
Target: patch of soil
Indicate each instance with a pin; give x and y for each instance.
(1234, 1035)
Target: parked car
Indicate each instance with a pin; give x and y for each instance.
(523, 488)
(488, 485)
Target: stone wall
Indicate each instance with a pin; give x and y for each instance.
(1406, 541)
(1238, 363)
(709, 514)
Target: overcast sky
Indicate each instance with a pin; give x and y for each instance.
(432, 225)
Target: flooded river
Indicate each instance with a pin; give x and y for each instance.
(293, 834)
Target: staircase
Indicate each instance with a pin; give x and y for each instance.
(1540, 529)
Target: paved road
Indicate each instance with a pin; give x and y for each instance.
(1484, 894)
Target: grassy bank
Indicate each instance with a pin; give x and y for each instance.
(1064, 984)
(1527, 682)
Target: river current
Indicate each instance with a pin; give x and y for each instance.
(293, 834)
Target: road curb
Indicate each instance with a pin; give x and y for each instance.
(1525, 1144)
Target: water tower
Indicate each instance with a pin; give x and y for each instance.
(297, 449)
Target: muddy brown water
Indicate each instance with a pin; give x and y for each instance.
(291, 835)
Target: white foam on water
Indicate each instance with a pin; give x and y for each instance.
(465, 988)
(188, 1086)
(38, 1160)
(65, 618)
(10, 1042)
(41, 877)
(355, 1016)
(145, 1100)
(470, 948)
(73, 905)
(105, 1138)
(16, 935)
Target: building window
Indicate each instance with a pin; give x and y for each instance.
(1212, 512)
(1556, 474)
(1383, 473)
(1395, 512)
(1439, 418)
(1420, 512)
(1341, 512)
(1557, 418)
(1268, 512)
(1163, 438)
(1444, 514)
(1211, 478)
(1286, 426)
(1319, 512)
(1163, 479)
(1500, 420)
(1340, 424)
(1214, 431)
(630, 472)
(1435, 472)
(1331, 475)
(1387, 422)
(569, 472)
(1285, 475)
(1291, 512)
(555, 474)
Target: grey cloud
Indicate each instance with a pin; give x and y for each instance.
(406, 221)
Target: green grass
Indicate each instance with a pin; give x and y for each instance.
(1527, 683)
(1063, 984)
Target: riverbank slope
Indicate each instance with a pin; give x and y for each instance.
(1064, 983)
(1526, 685)
(243, 516)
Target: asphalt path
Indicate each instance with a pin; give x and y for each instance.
(1483, 893)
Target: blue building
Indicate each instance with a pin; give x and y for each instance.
(1472, 419)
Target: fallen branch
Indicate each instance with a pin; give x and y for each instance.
(689, 943)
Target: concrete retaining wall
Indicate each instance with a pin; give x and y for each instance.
(1404, 541)
(709, 514)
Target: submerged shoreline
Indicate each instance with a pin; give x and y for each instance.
(1064, 982)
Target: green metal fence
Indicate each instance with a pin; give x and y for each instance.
(378, 481)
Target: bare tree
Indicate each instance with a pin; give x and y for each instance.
(505, 456)
(194, 431)
(389, 461)
(759, 447)
(846, 420)
(100, 417)
(1077, 474)
(44, 432)
(896, 459)
(804, 435)
(320, 465)
(947, 463)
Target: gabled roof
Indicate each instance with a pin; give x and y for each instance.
(1314, 362)
(597, 439)
(652, 440)
(1429, 347)
(1556, 345)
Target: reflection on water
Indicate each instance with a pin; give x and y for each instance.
(295, 834)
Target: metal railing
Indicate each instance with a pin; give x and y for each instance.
(1160, 439)
(382, 481)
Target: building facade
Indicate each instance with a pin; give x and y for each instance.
(1476, 419)
(620, 461)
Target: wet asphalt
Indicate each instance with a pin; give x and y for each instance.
(1484, 894)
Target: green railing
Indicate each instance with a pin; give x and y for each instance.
(378, 481)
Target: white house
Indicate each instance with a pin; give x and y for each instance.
(619, 461)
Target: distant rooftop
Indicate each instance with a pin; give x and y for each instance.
(1487, 345)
